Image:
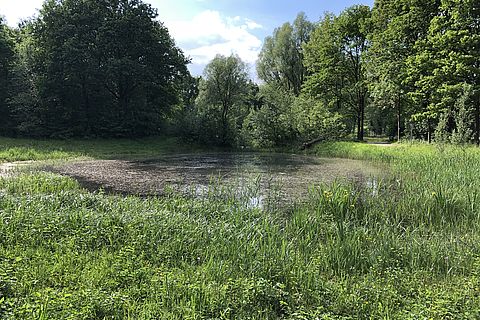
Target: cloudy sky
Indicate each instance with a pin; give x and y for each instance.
(204, 28)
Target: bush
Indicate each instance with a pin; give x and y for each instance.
(270, 125)
(314, 121)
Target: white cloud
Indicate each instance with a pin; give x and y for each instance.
(252, 24)
(209, 34)
(202, 37)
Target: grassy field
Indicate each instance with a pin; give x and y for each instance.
(25, 149)
(405, 247)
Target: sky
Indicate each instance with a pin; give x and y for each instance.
(205, 28)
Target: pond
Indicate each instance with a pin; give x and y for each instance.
(256, 176)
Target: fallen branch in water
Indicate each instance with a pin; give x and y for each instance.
(309, 144)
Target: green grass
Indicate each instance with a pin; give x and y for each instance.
(406, 247)
(26, 149)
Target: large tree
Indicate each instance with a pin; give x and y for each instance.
(224, 87)
(397, 26)
(104, 67)
(281, 59)
(448, 59)
(335, 59)
(6, 62)
(141, 67)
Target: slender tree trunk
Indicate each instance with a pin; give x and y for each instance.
(362, 122)
(88, 110)
(360, 117)
(429, 133)
(477, 120)
(399, 118)
(224, 124)
(359, 121)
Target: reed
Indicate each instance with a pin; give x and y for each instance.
(404, 247)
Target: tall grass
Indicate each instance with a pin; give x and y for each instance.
(404, 247)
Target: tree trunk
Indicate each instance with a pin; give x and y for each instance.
(399, 118)
(309, 144)
(361, 117)
(87, 108)
(362, 123)
(477, 120)
(429, 133)
(359, 134)
(224, 124)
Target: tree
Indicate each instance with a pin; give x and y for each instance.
(25, 105)
(462, 133)
(104, 67)
(271, 124)
(65, 62)
(281, 59)
(7, 57)
(397, 27)
(190, 91)
(448, 59)
(335, 58)
(313, 122)
(323, 58)
(140, 66)
(223, 88)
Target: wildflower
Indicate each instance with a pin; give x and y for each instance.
(434, 194)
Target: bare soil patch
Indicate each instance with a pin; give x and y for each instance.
(291, 173)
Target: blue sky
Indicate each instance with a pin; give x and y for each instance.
(204, 28)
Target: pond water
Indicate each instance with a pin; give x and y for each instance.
(256, 176)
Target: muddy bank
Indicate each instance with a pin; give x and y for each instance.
(292, 174)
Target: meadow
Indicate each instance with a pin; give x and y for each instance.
(405, 247)
(38, 150)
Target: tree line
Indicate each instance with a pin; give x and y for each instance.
(89, 68)
(404, 68)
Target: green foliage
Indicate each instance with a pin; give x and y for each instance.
(222, 94)
(448, 57)
(335, 58)
(463, 133)
(459, 119)
(280, 62)
(270, 125)
(322, 56)
(442, 134)
(401, 247)
(96, 68)
(6, 65)
(397, 27)
(90, 68)
(312, 120)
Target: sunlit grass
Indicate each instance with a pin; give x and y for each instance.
(26, 149)
(404, 247)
